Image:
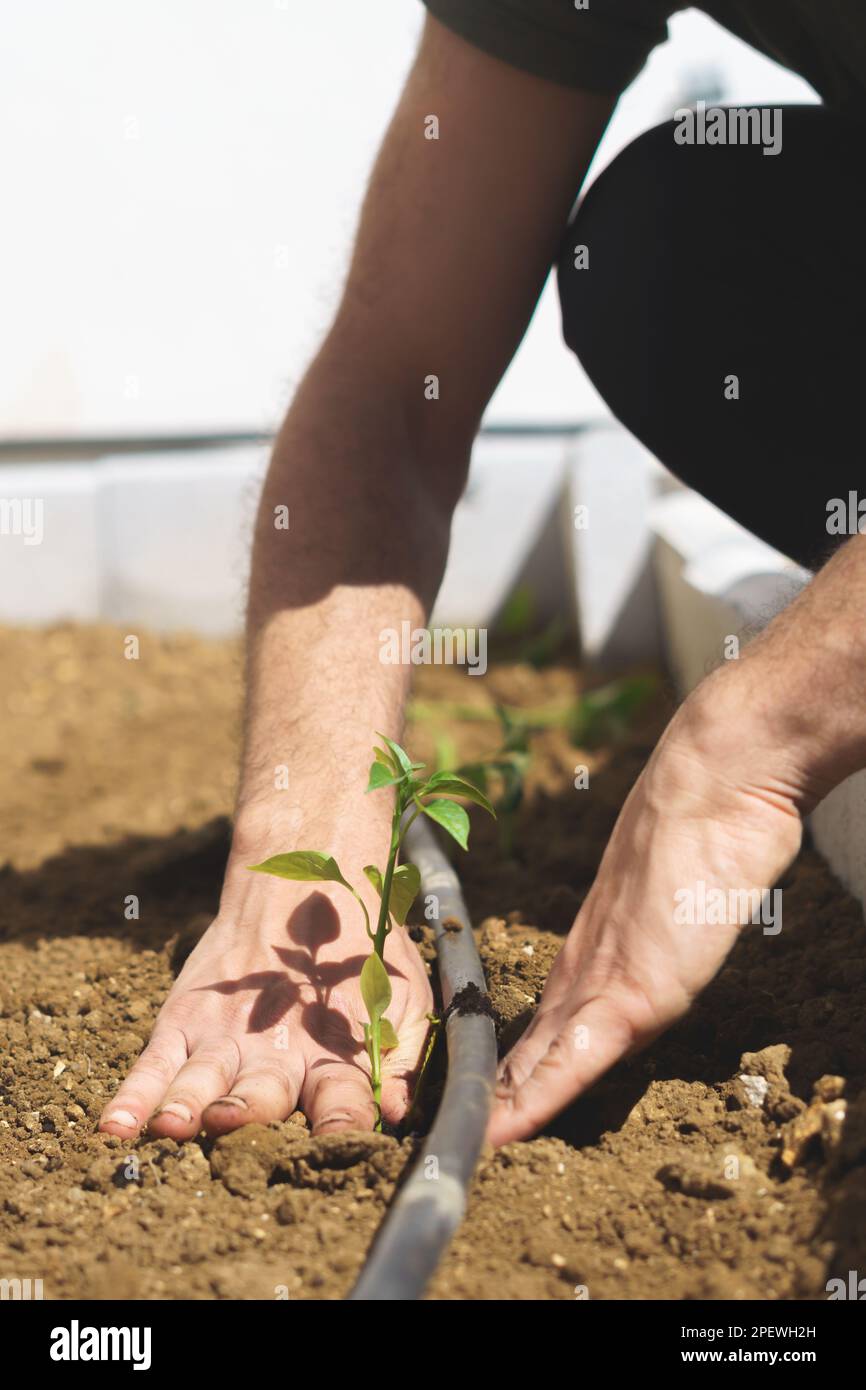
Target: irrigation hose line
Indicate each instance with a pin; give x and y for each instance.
(430, 1205)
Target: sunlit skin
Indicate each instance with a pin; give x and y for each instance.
(414, 792)
(455, 241)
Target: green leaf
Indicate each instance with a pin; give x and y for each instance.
(400, 754)
(375, 986)
(383, 757)
(303, 866)
(387, 1034)
(451, 817)
(405, 882)
(404, 890)
(605, 713)
(381, 775)
(454, 785)
(375, 877)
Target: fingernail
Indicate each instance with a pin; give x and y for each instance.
(121, 1117)
(179, 1111)
(237, 1101)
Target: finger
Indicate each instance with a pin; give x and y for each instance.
(400, 1067)
(146, 1084)
(396, 1098)
(530, 1047)
(338, 1096)
(580, 1052)
(210, 1072)
(261, 1093)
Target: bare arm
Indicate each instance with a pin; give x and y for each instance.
(455, 241)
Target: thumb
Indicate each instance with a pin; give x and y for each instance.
(552, 1065)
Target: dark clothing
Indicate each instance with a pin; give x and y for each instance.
(601, 48)
(714, 261)
(711, 261)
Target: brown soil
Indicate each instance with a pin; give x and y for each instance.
(666, 1182)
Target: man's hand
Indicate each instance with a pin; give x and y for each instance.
(267, 1014)
(701, 810)
(720, 802)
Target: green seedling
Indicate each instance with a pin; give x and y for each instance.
(518, 621)
(414, 795)
(605, 713)
(509, 766)
(600, 716)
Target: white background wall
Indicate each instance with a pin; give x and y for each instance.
(181, 179)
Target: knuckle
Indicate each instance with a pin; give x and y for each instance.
(154, 1064)
(268, 1079)
(220, 1054)
(347, 1092)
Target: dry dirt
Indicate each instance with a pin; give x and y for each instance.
(667, 1182)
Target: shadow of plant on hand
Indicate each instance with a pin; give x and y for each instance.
(305, 980)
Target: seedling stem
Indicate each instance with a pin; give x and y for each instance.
(399, 886)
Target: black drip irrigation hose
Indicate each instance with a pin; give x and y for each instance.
(430, 1205)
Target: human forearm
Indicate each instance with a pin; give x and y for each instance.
(369, 468)
(364, 550)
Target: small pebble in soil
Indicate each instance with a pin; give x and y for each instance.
(756, 1088)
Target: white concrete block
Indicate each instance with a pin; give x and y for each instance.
(162, 539)
(612, 483)
(715, 581)
(834, 826)
(506, 531)
(50, 574)
(839, 830)
(175, 533)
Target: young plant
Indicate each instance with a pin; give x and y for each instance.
(509, 765)
(599, 715)
(397, 887)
